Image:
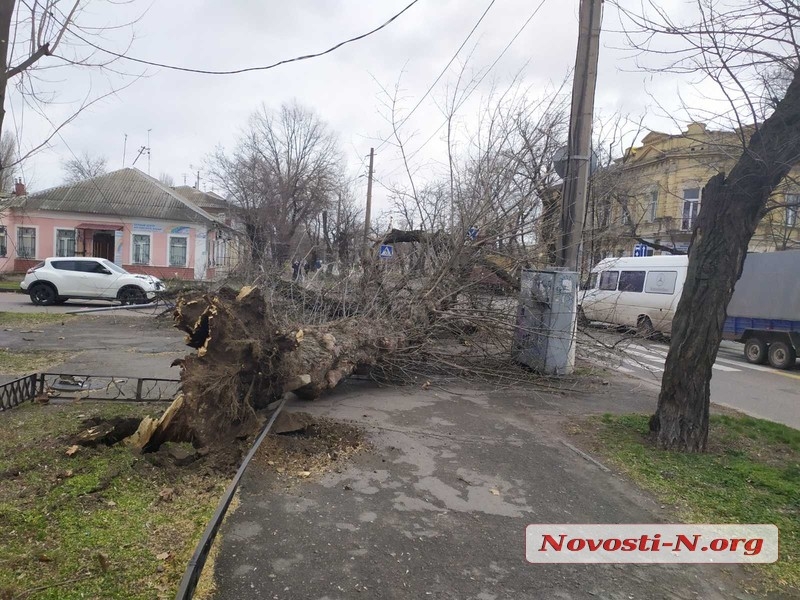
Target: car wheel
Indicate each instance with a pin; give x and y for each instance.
(644, 327)
(43, 294)
(782, 355)
(132, 295)
(755, 351)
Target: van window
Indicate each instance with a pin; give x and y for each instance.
(631, 281)
(661, 282)
(592, 283)
(608, 280)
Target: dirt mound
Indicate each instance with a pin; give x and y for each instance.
(312, 450)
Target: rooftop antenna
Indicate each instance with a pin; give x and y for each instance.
(124, 149)
(197, 181)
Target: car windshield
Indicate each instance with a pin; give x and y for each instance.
(115, 268)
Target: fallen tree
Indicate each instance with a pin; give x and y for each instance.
(245, 361)
(255, 345)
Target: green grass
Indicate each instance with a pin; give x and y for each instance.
(14, 320)
(10, 286)
(24, 363)
(92, 525)
(750, 474)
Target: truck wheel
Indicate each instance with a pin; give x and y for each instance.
(782, 355)
(755, 351)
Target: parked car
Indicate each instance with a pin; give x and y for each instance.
(58, 279)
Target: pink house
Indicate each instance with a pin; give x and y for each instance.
(125, 216)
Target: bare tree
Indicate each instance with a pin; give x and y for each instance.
(729, 45)
(46, 34)
(84, 166)
(284, 171)
(167, 179)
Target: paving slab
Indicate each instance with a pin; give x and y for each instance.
(438, 507)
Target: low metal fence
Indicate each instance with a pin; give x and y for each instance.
(70, 386)
(18, 391)
(107, 387)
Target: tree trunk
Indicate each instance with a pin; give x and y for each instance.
(731, 210)
(6, 16)
(245, 361)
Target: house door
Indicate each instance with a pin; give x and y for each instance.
(103, 245)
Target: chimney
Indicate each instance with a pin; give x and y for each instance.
(19, 188)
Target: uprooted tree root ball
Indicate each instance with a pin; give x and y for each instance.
(245, 362)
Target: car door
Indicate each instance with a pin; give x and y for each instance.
(96, 280)
(65, 277)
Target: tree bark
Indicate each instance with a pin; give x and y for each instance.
(731, 210)
(6, 16)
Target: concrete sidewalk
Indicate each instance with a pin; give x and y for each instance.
(439, 508)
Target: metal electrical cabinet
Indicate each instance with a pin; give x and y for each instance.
(544, 339)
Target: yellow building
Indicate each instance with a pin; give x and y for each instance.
(654, 193)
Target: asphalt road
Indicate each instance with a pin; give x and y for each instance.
(11, 302)
(760, 391)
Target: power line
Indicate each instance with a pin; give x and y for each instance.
(446, 67)
(475, 87)
(242, 70)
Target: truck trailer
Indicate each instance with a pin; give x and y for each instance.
(764, 312)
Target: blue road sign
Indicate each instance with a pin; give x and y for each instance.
(386, 251)
(640, 250)
(473, 233)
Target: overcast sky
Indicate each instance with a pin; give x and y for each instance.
(189, 114)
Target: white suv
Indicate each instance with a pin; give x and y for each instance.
(57, 280)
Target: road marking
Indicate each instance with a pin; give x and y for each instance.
(663, 355)
(638, 365)
(659, 360)
(726, 369)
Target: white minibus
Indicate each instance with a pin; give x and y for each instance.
(640, 292)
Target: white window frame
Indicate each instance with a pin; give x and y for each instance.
(652, 205)
(624, 213)
(792, 208)
(55, 240)
(35, 241)
(149, 250)
(170, 237)
(695, 202)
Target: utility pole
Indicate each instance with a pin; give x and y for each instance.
(576, 182)
(148, 151)
(369, 197)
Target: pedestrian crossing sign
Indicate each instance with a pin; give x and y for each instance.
(387, 251)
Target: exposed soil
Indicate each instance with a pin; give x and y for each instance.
(319, 446)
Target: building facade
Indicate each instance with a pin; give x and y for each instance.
(125, 216)
(654, 194)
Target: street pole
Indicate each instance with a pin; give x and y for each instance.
(369, 198)
(576, 181)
